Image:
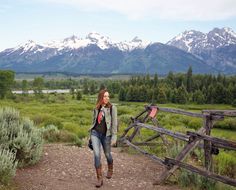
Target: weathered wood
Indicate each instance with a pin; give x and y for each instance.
(127, 129)
(207, 144)
(210, 145)
(140, 114)
(137, 129)
(155, 158)
(178, 111)
(163, 138)
(202, 172)
(230, 113)
(161, 130)
(145, 144)
(218, 142)
(192, 114)
(152, 137)
(217, 117)
(181, 156)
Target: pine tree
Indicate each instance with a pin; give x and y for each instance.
(78, 95)
(102, 87)
(85, 87)
(219, 93)
(189, 80)
(161, 98)
(182, 95)
(198, 97)
(155, 80)
(24, 87)
(122, 94)
(92, 88)
(6, 82)
(38, 84)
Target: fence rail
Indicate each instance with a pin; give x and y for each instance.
(210, 144)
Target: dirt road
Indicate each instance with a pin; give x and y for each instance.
(71, 168)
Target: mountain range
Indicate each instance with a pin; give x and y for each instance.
(217, 48)
(213, 52)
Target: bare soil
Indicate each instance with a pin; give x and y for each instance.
(71, 168)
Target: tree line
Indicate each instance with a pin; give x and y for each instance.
(180, 88)
(174, 88)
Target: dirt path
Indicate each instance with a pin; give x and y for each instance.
(71, 168)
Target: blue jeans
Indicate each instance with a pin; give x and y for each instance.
(99, 139)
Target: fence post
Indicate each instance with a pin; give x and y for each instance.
(136, 128)
(208, 124)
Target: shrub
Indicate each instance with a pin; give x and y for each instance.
(46, 119)
(20, 136)
(28, 147)
(52, 134)
(65, 136)
(80, 131)
(78, 95)
(7, 166)
(78, 142)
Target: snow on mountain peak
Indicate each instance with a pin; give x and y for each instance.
(230, 31)
(29, 45)
(193, 41)
(133, 44)
(74, 42)
(102, 41)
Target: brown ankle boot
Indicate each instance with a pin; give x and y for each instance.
(110, 171)
(99, 177)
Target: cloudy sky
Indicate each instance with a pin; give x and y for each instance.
(150, 20)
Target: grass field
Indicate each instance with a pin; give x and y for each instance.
(75, 116)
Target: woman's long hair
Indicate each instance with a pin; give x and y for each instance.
(100, 99)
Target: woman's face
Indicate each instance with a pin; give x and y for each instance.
(106, 98)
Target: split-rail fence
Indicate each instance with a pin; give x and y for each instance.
(202, 138)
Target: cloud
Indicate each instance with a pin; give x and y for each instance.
(198, 10)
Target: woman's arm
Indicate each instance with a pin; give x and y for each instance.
(114, 125)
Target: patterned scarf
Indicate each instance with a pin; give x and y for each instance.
(101, 115)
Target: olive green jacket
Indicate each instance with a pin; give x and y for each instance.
(111, 121)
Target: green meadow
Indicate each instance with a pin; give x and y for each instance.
(71, 119)
(75, 116)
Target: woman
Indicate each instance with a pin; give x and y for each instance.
(103, 132)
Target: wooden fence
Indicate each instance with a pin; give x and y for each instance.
(201, 139)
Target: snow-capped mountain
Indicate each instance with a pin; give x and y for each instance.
(31, 52)
(99, 54)
(94, 38)
(210, 46)
(136, 43)
(207, 53)
(194, 41)
(74, 42)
